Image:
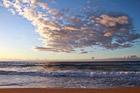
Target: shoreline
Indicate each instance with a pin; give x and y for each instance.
(70, 90)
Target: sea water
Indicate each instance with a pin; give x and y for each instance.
(19, 74)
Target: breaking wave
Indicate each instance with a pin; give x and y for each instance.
(75, 74)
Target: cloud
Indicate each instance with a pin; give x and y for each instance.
(51, 49)
(63, 30)
(7, 3)
(113, 21)
(43, 49)
(131, 56)
(83, 52)
(12, 11)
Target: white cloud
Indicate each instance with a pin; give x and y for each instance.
(7, 3)
(64, 31)
(12, 11)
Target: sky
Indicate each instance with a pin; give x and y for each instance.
(69, 29)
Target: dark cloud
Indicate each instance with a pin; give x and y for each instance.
(64, 30)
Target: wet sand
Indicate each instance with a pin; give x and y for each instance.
(70, 90)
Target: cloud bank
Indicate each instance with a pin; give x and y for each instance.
(65, 30)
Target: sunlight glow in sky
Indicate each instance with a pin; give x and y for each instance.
(69, 29)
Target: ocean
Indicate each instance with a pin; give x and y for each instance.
(19, 74)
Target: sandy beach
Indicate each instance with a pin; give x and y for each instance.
(65, 90)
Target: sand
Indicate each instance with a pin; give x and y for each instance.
(69, 90)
